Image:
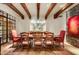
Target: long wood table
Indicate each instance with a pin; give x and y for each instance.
(31, 34)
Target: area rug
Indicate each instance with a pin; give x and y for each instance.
(9, 50)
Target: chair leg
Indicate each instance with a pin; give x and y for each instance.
(54, 44)
(59, 44)
(13, 44)
(63, 44)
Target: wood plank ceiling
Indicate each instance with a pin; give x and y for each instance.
(15, 9)
(50, 8)
(26, 9)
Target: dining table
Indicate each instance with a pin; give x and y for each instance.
(31, 36)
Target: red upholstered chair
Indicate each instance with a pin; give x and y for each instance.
(60, 39)
(15, 38)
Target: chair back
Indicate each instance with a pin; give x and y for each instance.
(24, 36)
(38, 36)
(49, 36)
(62, 35)
(14, 35)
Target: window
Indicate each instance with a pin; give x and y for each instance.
(7, 23)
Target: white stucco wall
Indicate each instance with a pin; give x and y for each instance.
(22, 25)
(56, 25)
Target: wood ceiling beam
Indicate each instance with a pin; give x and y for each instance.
(26, 9)
(50, 9)
(38, 10)
(62, 9)
(15, 9)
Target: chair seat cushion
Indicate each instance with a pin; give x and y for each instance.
(25, 42)
(38, 43)
(48, 42)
